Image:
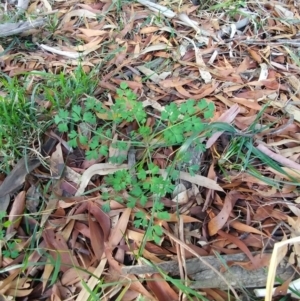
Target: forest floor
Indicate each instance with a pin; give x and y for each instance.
(149, 150)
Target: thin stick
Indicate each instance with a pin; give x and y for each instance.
(279, 158)
(202, 259)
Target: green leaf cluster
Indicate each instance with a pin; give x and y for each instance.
(176, 125)
(10, 250)
(147, 185)
(184, 121)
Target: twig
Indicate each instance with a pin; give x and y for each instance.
(9, 29)
(279, 158)
(278, 42)
(173, 237)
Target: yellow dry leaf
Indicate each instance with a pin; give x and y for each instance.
(92, 32)
(82, 13)
(47, 5)
(87, 47)
(279, 252)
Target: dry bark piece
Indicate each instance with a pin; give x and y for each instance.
(205, 278)
(9, 29)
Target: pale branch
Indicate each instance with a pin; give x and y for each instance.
(203, 277)
(9, 29)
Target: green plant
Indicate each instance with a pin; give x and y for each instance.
(232, 5)
(241, 155)
(11, 15)
(52, 23)
(177, 127)
(173, 127)
(19, 124)
(22, 116)
(9, 244)
(64, 90)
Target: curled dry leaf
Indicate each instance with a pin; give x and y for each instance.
(70, 54)
(98, 169)
(196, 179)
(82, 13)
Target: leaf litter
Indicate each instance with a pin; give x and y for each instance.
(166, 52)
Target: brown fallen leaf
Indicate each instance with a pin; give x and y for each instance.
(17, 176)
(255, 55)
(282, 289)
(220, 220)
(262, 260)
(244, 228)
(59, 247)
(16, 211)
(175, 82)
(160, 287)
(173, 217)
(83, 229)
(214, 294)
(92, 32)
(97, 240)
(102, 219)
(57, 163)
(240, 245)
